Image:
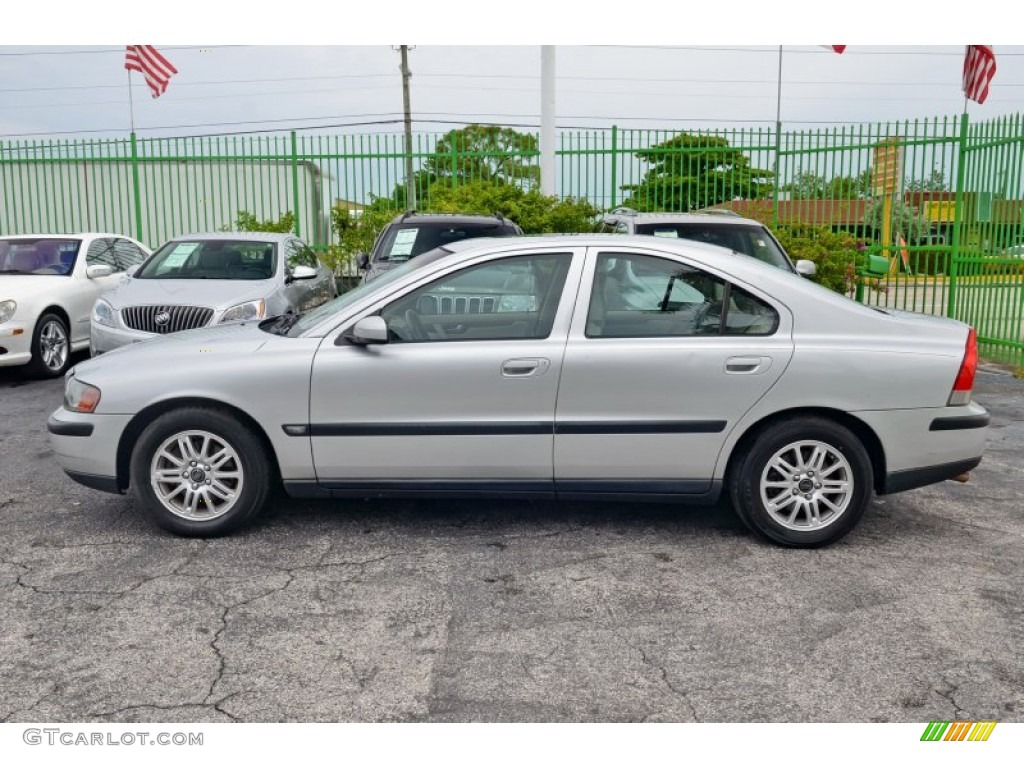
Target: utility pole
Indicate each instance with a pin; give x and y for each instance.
(410, 181)
(547, 119)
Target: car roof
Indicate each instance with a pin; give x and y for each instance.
(264, 237)
(712, 217)
(63, 235)
(598, 240)
(451, 218)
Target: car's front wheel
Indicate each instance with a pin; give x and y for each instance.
(51, 347)
(199, 472)
(805, 482)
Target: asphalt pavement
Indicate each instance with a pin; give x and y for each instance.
(507, 611)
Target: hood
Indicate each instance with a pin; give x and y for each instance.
(214, 343)
(216, 294)
(22, 287)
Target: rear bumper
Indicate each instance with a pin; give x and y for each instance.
(906, 479)
(928, 445)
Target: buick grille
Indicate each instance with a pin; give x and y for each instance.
(165, 319)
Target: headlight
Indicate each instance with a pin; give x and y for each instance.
(251, 310)
(80, 397)
(7, 310)
(103, 313)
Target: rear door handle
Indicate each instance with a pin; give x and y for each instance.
(523, 367)
(750, 365)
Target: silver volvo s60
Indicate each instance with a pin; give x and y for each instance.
(562, 367)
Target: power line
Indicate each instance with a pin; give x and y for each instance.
(428, 118)
(775, 50)
(143, 86)
(117, 50)
(587, 78)
(476, 89)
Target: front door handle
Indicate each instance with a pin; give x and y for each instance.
(749, 365)
(523, 367)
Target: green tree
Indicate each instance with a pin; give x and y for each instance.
(936, 182)
(906, 220)
(811, 186)
(534, 212)
(483, 153)
(249, 222)
(806, 185)
(850, 187)
(692, 171)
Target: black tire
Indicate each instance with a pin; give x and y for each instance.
(249, 458)
(45, 363)
(848, 461)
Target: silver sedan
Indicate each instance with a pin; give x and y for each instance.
(200, 280)
(559, 367)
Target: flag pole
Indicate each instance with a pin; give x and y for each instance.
(131, 104)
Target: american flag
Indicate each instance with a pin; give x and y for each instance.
(979, 69)
(154, 67)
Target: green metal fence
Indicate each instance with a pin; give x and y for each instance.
(942, 200)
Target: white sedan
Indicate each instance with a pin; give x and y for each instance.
(48, 285)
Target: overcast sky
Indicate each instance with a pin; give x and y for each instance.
(82, 89)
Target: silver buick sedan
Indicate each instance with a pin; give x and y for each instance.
(198, 280)
(586, 367)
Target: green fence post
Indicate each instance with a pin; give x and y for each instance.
(135, 186)
(295, 180)
(455, 161)
(778, 167)
(958, 217)
(615, 164)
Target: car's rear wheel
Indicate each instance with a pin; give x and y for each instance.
(805, 482)
(51, 347)
(199, 472)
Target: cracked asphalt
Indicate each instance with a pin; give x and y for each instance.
(507, 611)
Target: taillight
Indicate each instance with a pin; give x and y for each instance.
(961, 394)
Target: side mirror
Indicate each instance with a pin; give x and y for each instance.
(98, 270)
(363, 260)
(806, 267)
(130, 272)
(369, 330)
(302, 272)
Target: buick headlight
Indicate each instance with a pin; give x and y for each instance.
(251, 310)
(7, 310)
(80, 397)
(103, 313)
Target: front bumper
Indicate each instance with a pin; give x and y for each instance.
(86, 446)
(15, 344)
(104, 338)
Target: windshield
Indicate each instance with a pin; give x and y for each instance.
(748, 239)
(303, 323)
(211, 260)
(38, 256)
(402, 242)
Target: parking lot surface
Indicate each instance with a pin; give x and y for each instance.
(510, 611)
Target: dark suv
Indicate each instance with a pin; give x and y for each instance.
(414, 233)
(717, 227)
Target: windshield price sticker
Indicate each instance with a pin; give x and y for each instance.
(404, 241)
(179, 255)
